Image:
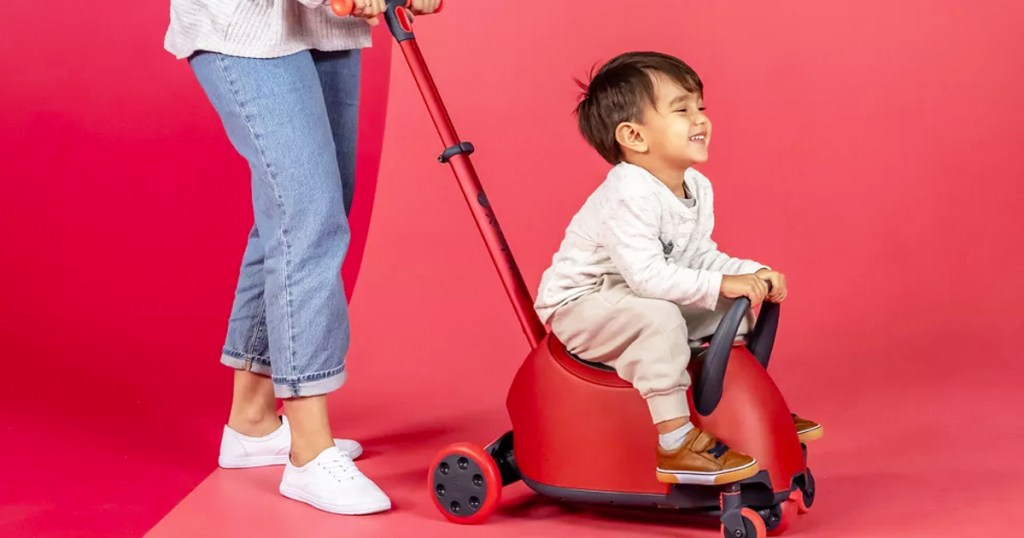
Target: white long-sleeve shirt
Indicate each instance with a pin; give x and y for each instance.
(635, 226)
(260, 28)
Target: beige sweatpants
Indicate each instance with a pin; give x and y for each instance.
(645, 340)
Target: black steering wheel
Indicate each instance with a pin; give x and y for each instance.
(708, 390)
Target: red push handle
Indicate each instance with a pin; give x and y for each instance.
(344, 8)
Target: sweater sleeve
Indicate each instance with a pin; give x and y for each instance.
(629, 231)
(709, 258)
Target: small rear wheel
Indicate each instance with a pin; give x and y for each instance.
(753, 526)
(782, 516)
(807, 491)
(465, 483)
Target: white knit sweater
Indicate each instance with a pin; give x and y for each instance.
(260, 28)
(635, 226)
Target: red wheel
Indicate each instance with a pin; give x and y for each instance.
(797, 498)
(786, 517)
(465, 483)
(753, 526)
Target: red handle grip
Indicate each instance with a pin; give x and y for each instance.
(343, 8)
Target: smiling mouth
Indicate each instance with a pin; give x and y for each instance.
(699, 138)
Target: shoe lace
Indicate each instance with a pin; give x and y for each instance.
(718, 450)
(341, 468)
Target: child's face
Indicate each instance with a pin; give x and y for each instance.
(676, 129)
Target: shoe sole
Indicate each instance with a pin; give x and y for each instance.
(345, 510)
(715, 478)
(251, 461)
(266, 461)
(812, 434)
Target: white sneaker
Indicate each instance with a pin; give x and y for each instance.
(239, 451)
(332, 483)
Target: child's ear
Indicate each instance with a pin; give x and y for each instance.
(630, 136)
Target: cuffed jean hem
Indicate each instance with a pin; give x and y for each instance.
(308, 385)
(303, 386)
(668, 406)
(244, 361)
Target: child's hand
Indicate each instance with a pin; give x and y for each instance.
(425, 7)
(778, 280)
(750, 286)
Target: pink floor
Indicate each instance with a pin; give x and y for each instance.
(904, 458)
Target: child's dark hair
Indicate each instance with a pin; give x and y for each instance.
(616, 94)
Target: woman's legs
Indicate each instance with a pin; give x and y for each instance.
(275, 114)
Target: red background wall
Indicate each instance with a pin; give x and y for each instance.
(869, 151)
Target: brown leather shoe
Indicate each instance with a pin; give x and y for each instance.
(702, 459)
(807, 430)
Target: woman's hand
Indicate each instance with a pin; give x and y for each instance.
(425, 7)
(369, 10)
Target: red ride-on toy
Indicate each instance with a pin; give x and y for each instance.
(554, 392)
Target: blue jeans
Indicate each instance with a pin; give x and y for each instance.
(294, 120)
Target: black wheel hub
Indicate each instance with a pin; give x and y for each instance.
(460, 485)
